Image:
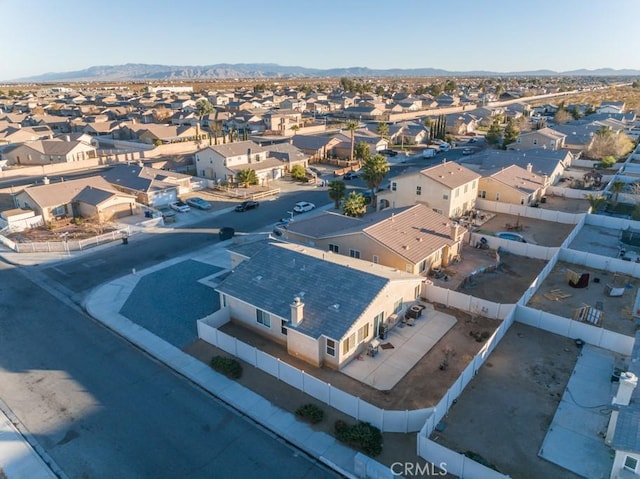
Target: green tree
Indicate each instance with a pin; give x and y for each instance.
(337, 190)
(352, 126)
(493, 135)
(450, 86)
(608, 162)
(374, 170)
(383, 129)
(204, 108)
(595, 201)
(298, 173)
(354, 205)
(295, 129)
(247, 177)
(616, 189)
(362, 151)
(511, 133)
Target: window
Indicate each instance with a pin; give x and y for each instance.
(348, 343)
(331, 347)
(522, 200)
(630, 463)
(457, 192)
(283, 329)
(393, 186)
(418, 190)
(263, 318)
(363, 333)
(375, 259)
(498, 196)
(437, 211)
(473, 185)
(58, 211)
(466, 188)
(354, 253)
(397, 307)
(417, 292)
(445, 195)
(482, 194)
(377, 321)
(224, 300)
(334, 248)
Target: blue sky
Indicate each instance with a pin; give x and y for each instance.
(40, 36)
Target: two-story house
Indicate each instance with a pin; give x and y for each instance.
(513, 184)
(542, 138)
(449, 189)
(222, 163)
(296, 296)
(412, 239)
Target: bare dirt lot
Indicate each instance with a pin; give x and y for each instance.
(504, 412)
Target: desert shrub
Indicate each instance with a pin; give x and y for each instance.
(361, 435)
(310, 413)
(228, 366)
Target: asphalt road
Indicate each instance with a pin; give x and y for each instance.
(99, 406)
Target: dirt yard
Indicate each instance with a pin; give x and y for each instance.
(508, 282)
(504, 413)
(540, 232)
(59, 230)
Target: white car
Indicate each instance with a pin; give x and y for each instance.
(180, 206)
(302, 206)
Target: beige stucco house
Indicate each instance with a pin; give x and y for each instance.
(449, 189)
(412, 239)
(543, 138)
(222, 163)
(513, 184)
(323, 307)
(44, 152)
(91, 197)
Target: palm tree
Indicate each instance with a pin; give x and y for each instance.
(337, 189)
(352, 126)
(595, 201)
(362, 152)
(374, 171)
(247, 177)
(616, 189)
(355, 205)
(295, 129)
(383, 130)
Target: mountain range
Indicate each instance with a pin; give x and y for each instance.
(142, 72)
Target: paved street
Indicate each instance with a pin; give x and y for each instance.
(102, 409)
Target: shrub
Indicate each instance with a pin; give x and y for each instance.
(310, 413)
(228, 366)
(607, 162)
(361, 435)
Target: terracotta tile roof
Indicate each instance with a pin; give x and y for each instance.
(450, 174)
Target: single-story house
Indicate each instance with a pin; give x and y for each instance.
(296, 296)
(45, 152)
(91, 197)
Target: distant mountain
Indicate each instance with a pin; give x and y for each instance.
(142, 72)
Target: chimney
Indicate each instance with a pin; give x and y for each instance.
(529, 167)
(628, 382)
(297, 311)
(455, 231)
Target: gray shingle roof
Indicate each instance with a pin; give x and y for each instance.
(274, 276)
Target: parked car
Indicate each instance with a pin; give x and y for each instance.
(468, 151)
(168, 215)
(303, 206)
(247, 205)
(199, 203)
(180, 207)
(226, 233)
(350, 175)
(389, 152)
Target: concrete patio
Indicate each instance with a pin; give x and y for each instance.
(409, 344)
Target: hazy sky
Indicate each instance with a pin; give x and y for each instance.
(40, 36)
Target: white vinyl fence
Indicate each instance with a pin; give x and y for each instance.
(465, 302)
(385, 420)
(70, 245)
(528, 212)
(453, 462)
(514, 247)
(569, 328)
(602, 263)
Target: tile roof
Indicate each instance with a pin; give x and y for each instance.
(64, 192)
(544, 161)
(237, 149)
(335, 290)
(519, 178)
(139, 178)
(450, 174)
(414, 233)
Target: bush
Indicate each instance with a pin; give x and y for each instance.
(361, 435)
(310, 413)
(228, 366)
(607, 162)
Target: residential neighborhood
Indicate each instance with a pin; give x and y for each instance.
(212, 267)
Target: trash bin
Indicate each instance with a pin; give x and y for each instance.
(125, 239)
